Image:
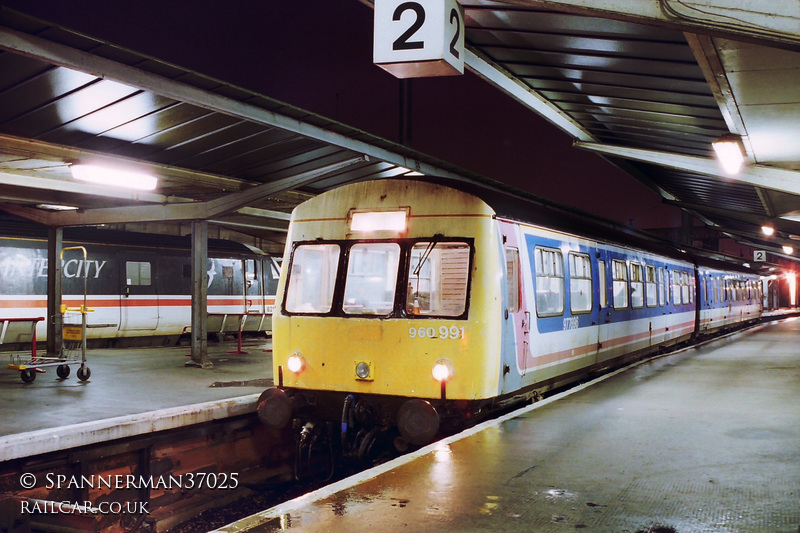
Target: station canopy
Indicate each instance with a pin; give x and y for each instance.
(649, 88)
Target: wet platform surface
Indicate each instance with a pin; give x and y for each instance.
(704, 440)
(129, 387)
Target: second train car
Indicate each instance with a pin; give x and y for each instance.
(405, 307)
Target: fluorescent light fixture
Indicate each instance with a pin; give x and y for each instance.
(56, 207)
(378, 221)
(730, 153)
(767, 230)
(788, 250)
(114, 177)
(409, 172)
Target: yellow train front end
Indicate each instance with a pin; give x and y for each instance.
(388, 313)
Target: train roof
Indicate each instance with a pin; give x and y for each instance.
(527, 208)
(15, 227)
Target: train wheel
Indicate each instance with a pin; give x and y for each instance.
(28, 375)
(84, 373)
(62, 371)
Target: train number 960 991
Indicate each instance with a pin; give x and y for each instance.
(442, 332)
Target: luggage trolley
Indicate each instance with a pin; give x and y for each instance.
(73, 341)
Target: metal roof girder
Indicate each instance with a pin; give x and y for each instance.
(66, 56)
(195, 210)
(524, 94)
(756, 175)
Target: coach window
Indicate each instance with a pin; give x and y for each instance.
(650, 279)
(637, 286)
(371, 279)
(601, 281)
(549, 282)
(662, 287)
(512, 279)
(688, 290)
(312, 278)
(676, 287)
(437, 279)
(138, 273)
(620, 284)
(580, 283)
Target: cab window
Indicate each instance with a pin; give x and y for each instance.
(312, 278)
(371, 279)
(438, 276)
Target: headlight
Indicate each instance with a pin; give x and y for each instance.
(295, 363)
(362, 370)
(442, 370)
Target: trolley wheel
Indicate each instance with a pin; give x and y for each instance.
(84, 373)
(62, 371)
(28, 375)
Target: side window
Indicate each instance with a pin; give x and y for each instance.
(676, 287)
(601, 280)
(512, 279)
(139, 273)
(650, 272)
(662, 287)
(312, 278)
(580, 283)
(620, 284)
(637, 286)
(687, 294)
(549, 265)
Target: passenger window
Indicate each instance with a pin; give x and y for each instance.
(549, 282)
(620, 284)
(601, 280)
(637, 286)
(312, 278)
(371, 279)
(580, 283)
(676, 287)
(138, 273)
(687, 294)
(437, 279)
(512, 279)
(662, 287)
(651, 285)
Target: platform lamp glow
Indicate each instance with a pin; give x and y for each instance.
(114, 177)
(730, 153)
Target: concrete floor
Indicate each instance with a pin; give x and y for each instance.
(705, 440)
(128, 382)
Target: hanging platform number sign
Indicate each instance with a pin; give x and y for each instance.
(419, 39)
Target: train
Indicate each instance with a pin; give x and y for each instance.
(138, 285)
(409, 308)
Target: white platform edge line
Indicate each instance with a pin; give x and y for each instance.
(55, 439)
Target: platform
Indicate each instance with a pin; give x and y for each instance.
(130, 391)
(703, 440)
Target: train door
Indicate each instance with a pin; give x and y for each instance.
(517, 351)
(254, 286)
(139, 302)
(606, 309)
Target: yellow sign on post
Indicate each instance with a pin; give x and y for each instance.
(419, 39)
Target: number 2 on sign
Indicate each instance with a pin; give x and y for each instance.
(430, 332)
